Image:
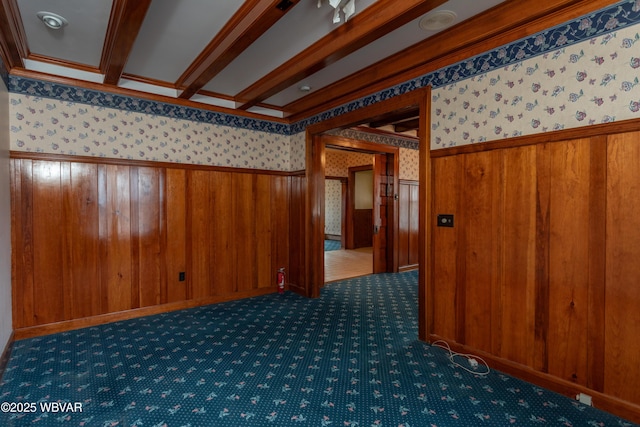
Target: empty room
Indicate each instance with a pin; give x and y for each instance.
(319, 212)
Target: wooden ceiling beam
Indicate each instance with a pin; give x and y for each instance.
(407, 125)
(13, 42)
(250, 22)
(502, 24)
(124, 25)
(395, 117)
(372, 23)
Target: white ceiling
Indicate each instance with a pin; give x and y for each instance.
(174, 33)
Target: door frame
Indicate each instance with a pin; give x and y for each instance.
(350, 239)
(314, 197)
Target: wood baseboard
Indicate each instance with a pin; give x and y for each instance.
(332, 237)
(605, 402)
(68, 325)
(6, 354)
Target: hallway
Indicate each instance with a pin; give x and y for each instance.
(344, 264)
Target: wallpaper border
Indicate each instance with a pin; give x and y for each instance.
(619, 15)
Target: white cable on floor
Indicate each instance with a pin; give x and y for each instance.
(470, 359)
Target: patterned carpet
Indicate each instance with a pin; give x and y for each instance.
(331, 245)
(350, 358)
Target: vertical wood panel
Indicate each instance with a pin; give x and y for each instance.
(280, 220)
(176, 254)
(224, 238)
(83, 249)
(24, 295)
(414, 223)
(446, 187)
(543, 171)
(244, 212)
(480, 257)
(622, 347)
(518, 304)
(118, 234)
(264, 232)
(48, 233)
(597, 263)
(408, 220)
(134, 220)
(297, 246)
(201, 234)
(568, 257)
(149, 235)
(404, 213)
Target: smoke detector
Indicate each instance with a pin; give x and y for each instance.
(438, 20)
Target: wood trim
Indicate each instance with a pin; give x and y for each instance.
(315, 170)
(143, 163)
(503, 24)
(13, 41)
(601, 401)
(408, 182)
(383, 132)
(408, 268)
(6, 354)
(248, 24)
(362, 115)
(314, 216)
(591, 131)
(426, 240)
(124, 25)
(69, 325)
(337, 178)
(63, 63)
(332, 141)
(372, 23)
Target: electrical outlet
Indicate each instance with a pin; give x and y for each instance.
(181, 276)
(585, 399)
(473, 363)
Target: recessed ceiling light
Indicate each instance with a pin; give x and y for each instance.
(52, 20)
(438, 20)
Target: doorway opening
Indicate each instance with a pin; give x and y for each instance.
(315, 191)
(368, 175)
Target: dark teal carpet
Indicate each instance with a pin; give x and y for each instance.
(332, 245)
(350, 358)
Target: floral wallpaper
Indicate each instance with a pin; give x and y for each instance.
(338, 162)
(298, 152)
(592, 82)
(409, 164)
(333, 207)
(52, 126)
(582, 72)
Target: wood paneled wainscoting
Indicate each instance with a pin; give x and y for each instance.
(408, 213)
(541, 273)
(96, 240)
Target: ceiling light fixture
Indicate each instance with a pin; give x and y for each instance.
(52, 20)
(437, 20)
(348, 8)
(305, 88)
